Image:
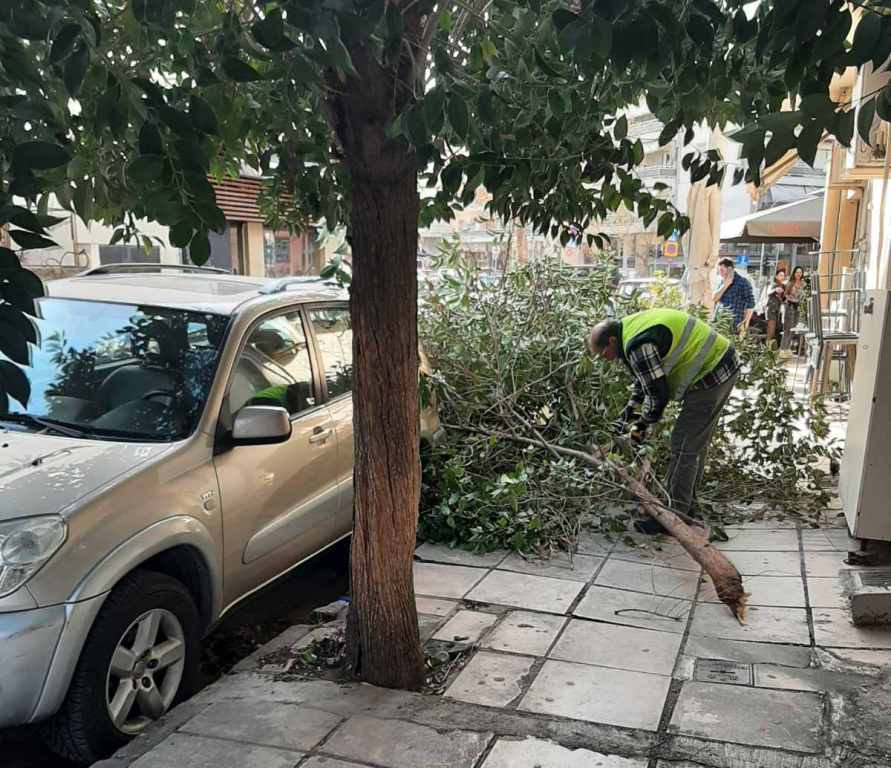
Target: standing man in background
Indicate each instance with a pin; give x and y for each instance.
(735, 295)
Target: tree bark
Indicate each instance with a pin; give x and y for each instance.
(383, 644)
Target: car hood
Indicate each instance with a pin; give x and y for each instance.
(43, 474)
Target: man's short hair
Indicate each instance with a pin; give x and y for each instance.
(727, 263)
(602, 333)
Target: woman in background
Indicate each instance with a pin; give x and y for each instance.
(776, 294)
(794, 297)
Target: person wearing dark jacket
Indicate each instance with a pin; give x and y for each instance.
(672, 356)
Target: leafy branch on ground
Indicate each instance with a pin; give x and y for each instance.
(509, 357)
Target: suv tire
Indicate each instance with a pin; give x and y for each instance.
(83, 729)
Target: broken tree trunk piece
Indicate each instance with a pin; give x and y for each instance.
(725, 577)
(728, 583)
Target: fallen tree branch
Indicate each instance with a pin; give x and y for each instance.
(724, 575)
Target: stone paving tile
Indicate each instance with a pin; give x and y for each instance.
(828, 539)
(398, 744)
(825, 563)
(491, 679)
(833, 628)
(427, 625)
(760, 717)
(287, 726)
(598, 694)
(776, 591)
(320, 761)
(453, 581)
(520, 590)
(634, 609)
(669, 554)
(760, 525)
(816, 680)
(591, 543)
(746, 652)
(432, 606)
(582, 567)
(611, 645)
(766, 563)
(537, 753)
(184, 751)
(650, 579)
(768, 625)
(525, 632)
(466, 627)
(826, 592)
(766, 540)
(442, 553)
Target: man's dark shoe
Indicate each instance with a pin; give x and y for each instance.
(649, 527)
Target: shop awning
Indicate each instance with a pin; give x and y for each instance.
(792, 222)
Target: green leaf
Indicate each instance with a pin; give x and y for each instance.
(668, 132)
(458, 116)
(487, 107)
(63, 43)
(29, 240)
(199, 248)
(844, 127)
(620, 131)
(181, 234)
(808, 140)
(29, 24)
(76, 70)
(666, 225)
(240, 71)
(883, 104)
(866, 38)
(339, 56)
(150, 139)
(434, 101)
(865, 119)
(555, 102)
(15, 382)
(39, 155)
(203, 117)
(415, 126)
(270, 32)
(145, 169)
(543, 64)
(601, 37)
(19, 321)
(13, 343)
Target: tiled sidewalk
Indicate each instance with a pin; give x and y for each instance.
(622, 658)
(630, 636)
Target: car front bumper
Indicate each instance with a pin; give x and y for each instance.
(28, 641)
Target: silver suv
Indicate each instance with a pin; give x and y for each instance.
(187, 440)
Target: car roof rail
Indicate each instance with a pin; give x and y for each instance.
(283, 283)
(149, 266)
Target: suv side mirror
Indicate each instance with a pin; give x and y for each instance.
(261, 425)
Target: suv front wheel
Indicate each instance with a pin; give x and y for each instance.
(140, 658)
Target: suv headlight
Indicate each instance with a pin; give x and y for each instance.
(25, 545)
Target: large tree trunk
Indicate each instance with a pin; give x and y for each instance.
(382, 627)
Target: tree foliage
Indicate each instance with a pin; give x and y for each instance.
(510, 359)
(527, 98)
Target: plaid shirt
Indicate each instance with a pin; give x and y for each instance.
(651, 384)
(738, 298)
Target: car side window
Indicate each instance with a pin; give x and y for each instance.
(334, 336)
(274, 368)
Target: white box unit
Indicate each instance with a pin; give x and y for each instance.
(865, 476)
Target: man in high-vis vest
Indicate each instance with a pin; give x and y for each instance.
(672, 356)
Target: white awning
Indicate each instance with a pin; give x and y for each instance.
(796, 221)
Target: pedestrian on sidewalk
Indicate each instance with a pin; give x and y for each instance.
(734, 295)
(671, 355)
(776, 295)
(794, 296)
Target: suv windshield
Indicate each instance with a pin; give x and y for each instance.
(119, 370)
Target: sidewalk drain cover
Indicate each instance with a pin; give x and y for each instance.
(719, 671)
(880, 579)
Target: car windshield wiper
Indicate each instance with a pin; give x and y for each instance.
(40, 422)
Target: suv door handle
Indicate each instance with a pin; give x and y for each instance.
(320, 435)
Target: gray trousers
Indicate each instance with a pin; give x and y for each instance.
(690, 439)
